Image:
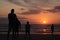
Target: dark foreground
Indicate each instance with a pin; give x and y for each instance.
(32, 37)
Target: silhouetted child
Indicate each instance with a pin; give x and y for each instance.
(52, 28)
(27, 29)
(17, 27)
(12, 18)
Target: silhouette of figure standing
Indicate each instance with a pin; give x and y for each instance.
(27, 30)
(52, 28)
(17, 27)
(13, 22)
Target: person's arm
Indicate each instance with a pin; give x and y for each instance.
(20, 26)
(15, 16)
(30, 26)
(9, 18)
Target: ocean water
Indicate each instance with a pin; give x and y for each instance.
(35, 28)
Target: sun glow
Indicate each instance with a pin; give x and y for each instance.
(44, 22)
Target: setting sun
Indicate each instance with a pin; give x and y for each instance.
(44, 22)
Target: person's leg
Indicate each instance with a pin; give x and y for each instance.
(13, 30)
(18, 31)
(25, 35)
(9, 30)
(29, 35)
(52, 32)
(15, 33)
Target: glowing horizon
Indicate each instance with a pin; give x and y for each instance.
(34, 11)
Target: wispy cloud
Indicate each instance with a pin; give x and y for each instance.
(31, 12)
(55, 9)
(37, 4)
(30, 3)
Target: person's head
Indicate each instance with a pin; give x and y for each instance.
(52, 24)
(12, 10)
(27, 22)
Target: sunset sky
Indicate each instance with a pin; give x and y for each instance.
(34, 11)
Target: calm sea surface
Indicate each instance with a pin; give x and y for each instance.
(35, 28)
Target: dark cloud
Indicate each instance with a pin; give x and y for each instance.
(31, 12)
(55, 9)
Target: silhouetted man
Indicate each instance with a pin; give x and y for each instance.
(13, 23)
(52, 28)
(27, 29)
